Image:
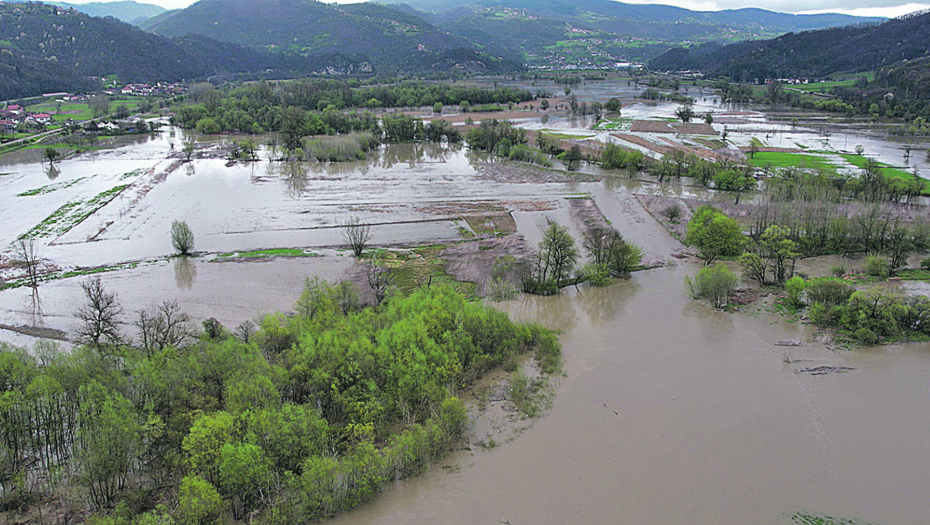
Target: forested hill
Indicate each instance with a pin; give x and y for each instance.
(600, 33)
(637, 20)
(46, 48)
(385, 38)
(125, 10)
(808, 54)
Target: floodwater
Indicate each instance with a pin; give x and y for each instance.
(671, 413)
(814, 131)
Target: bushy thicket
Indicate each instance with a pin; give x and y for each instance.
(314, 414)
(495, 136)
(524, 153)
(342, 148)
(868, 315)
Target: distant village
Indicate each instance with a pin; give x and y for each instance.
(16, 118)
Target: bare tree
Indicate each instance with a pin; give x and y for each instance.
(27, 256)
(99, 316)
(600, 242)
(379, 279)
(356, 235)
(163, 326)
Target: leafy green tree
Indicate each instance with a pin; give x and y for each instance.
(208, 126)
(714, 283)
(755, 265)
(713, 234)
(557, 252)
(108, 443)
(572, 158)
(734, 180)
(624, 258)
(202, 445)
(685, 113)
(199, 503)
(795, 288)
(245, 477)
(318, 485)
(182, 238)
(293, 127)
(876, 265)
(780, 250)
(51, 155)
(189, 147)
(613, 105)
(251, 392)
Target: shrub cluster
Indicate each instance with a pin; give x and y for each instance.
(312, 415)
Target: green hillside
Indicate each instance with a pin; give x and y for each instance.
(385, 38)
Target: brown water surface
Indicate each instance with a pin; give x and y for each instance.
(672, 413)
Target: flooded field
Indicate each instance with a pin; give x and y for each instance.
(669, 412)
(672, 413)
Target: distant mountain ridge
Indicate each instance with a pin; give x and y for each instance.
(558, 28)
(385, 37)
(45, 48)
(810, 53)
(125, 10)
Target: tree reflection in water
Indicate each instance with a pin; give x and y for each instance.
(185, 272)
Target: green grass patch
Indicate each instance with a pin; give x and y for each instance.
(78, 272)
(621, 124)
(420, 267)
(77, 111)
(711, 143)
(263, 254)
(71, 214)
(775, 159)
(564, 136)
(131, 174)
(49, 188)
(887, 170)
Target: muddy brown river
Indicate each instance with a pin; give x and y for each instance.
(672, 413)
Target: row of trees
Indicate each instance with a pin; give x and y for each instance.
(555, 263)
(323, 104)
(309, 414)
(775, 242)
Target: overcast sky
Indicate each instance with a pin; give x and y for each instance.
(888, 8)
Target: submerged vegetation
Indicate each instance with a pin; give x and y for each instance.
(71, 214)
